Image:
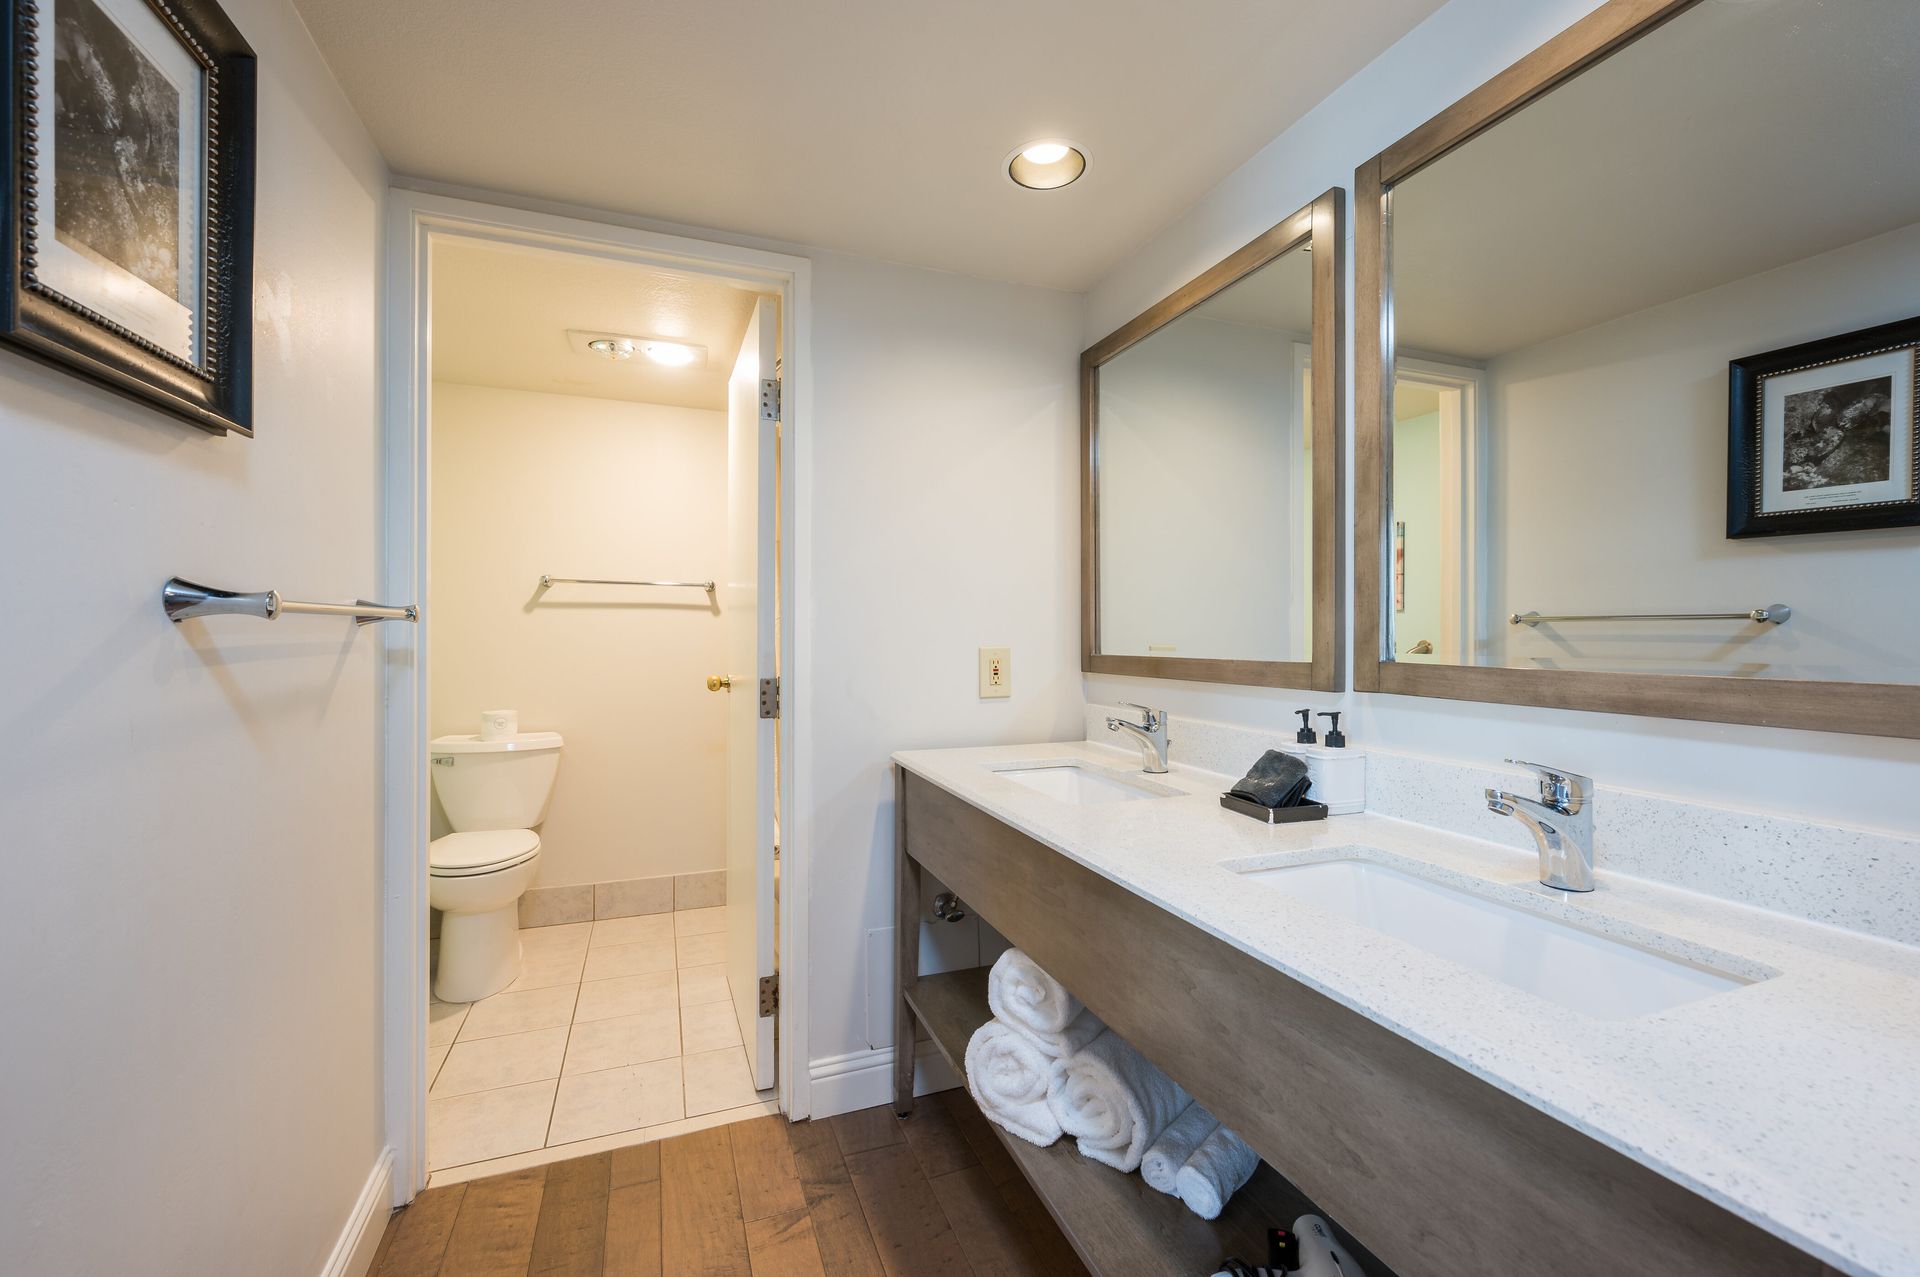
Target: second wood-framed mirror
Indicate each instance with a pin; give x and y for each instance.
(1211, 471)
(1637, 374)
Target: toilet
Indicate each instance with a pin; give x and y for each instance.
(494, 792)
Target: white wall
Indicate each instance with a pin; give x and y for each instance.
(191, 1075)
(946, 516)
(527, 483)
(1851, 780)
(1642, 402)
(1202, 474)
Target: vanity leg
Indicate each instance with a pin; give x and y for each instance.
(906, 951)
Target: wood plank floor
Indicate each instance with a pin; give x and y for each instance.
(860, 1195)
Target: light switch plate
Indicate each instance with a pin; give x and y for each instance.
(996, 673)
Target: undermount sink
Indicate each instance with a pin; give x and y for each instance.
(1081, 786)
(1593, 974)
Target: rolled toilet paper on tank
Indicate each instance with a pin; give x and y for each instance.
(498, 724)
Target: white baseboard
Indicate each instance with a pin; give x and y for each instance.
(353, 1253)
(864, 1079)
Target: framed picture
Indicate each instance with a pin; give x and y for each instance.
(129, 215)
(1821, 437)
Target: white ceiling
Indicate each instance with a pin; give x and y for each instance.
(501, 315)
(870, 126)
(1742, 135)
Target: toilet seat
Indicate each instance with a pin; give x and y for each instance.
(481, 851)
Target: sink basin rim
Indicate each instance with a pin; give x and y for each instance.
(1113, 785)
(1536, 917)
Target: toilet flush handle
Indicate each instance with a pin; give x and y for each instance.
(719, 683)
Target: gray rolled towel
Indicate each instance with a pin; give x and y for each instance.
(1277, 780)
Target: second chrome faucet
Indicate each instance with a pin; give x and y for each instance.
(1560, 820)
(1150, 733)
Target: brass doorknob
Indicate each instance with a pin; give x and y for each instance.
(719, 683)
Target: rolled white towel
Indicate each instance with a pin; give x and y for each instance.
(1166, 1155)
(1074, 1038)
(1008, 1075)
(1214, 1172)
(1019, 992)
(1114, 1102)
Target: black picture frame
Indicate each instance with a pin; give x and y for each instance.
(214, 388)
(1748, 408)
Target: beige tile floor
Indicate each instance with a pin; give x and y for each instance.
(615, 1026)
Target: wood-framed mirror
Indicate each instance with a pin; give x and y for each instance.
(1636, 365)
(1211, 445)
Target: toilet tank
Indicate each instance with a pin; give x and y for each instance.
(495, 784)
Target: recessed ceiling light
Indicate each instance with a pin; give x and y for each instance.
(1046, 165)
(612, 347)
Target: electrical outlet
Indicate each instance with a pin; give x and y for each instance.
(996, 673)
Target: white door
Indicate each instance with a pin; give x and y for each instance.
(748, 617)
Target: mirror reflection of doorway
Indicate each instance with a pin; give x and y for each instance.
(1437, 556)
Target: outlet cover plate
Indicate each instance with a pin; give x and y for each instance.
(996, 673)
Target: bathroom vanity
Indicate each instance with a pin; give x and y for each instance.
(1631, 1076)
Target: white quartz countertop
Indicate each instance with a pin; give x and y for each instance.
(1793, 1101)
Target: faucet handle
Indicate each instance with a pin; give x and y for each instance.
(1150, 717)
(1564, 789)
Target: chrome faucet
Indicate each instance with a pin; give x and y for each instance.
(1561, 821)
(1150, 733)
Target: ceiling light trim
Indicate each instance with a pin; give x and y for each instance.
(1053, 175)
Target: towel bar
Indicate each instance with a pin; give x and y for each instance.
(185, 599)
(548, 581)
(1776, 613)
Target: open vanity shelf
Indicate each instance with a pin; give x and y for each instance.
(1116, 1223)
(1441, 1171)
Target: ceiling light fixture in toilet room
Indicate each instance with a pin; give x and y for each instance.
(620, 347)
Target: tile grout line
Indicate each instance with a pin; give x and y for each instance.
(546, 1139)
(553, 1107)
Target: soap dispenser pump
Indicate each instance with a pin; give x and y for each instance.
(1335, 738)
(1306, 735)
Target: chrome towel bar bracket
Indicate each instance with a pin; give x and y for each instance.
(547, 582)
(1772, 613)
(184, 600)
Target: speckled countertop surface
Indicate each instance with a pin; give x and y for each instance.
(1794, 1101)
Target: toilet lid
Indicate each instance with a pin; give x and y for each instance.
(481, 851)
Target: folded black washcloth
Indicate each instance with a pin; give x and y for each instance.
(1277, 780)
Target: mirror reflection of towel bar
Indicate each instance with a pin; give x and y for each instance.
(546, 582)
(1772, 613)
(184, 600)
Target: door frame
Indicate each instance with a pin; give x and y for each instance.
(1463, 461)
(415, 219)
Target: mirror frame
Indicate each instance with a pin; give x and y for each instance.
(1871, 709)
(1321, 227)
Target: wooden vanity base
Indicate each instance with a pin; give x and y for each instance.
(1437, 1171)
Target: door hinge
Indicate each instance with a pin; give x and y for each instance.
(769, 994)
(769, 698)
(769, 399)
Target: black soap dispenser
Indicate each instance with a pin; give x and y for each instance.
(1335, 739)
(1305, 735)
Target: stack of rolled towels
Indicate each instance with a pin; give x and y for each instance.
(1044, 1066)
